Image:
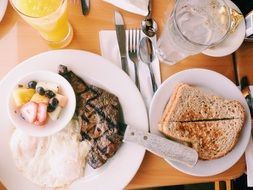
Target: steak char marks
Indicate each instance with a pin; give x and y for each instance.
(98, 112)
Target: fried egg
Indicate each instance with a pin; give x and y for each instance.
(54, 161)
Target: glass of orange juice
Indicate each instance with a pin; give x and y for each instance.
(49, 17)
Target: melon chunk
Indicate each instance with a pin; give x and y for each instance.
(55, 114)
(40, 99)
(62, 100)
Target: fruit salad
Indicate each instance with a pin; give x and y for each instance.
(38, 101)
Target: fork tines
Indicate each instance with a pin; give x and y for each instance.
(134, 36)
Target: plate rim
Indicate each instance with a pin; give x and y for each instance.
(247, 125)
(141, 151)
(218, 52)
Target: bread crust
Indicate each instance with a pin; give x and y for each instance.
(170, 102)
(190, 103)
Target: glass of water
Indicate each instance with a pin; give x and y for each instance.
(193, 26)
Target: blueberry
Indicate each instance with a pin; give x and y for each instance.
(40, 90)
(54, 102)
(32, 84)
(49, 94)
(50, 108)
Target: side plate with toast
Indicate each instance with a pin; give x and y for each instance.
(214, 83)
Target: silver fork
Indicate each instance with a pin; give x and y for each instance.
(134, 36)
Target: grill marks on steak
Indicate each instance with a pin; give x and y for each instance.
(77, 83)
(99, 116)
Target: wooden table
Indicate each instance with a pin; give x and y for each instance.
(18, 41)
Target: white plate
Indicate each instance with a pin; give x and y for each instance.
(121, 168)
(218, 84)
(3, 6)
(233, 41)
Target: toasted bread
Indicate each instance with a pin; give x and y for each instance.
(210, 123)
(211, 139)
(194, 104)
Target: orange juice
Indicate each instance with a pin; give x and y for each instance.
(49, 17)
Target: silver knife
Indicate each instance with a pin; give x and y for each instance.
(121, 37)
(165, 148)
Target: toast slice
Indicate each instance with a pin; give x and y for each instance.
(188, 103)
(209, 123)
(211, 139)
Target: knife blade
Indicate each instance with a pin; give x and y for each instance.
(165, 148)
(85, 6)
(121, 38)
(246, 93)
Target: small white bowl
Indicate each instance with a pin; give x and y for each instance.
(50, 127)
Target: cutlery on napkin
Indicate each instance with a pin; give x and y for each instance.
(108, 38)
(133, 6)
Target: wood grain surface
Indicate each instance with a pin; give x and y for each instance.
(244, 59)
(18, 41)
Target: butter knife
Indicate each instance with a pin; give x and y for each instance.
(121, 37)
(165, 148)
(246, 93)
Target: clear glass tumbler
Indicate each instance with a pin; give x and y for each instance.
(193, 26)
(49, 18)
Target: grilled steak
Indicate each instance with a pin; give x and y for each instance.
(99, 115)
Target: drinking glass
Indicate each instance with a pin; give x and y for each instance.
(49, 18)
(193, 26)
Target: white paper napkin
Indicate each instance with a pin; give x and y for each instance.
(249, 163)
(249, 158)
(110, 50)
(134, 6)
